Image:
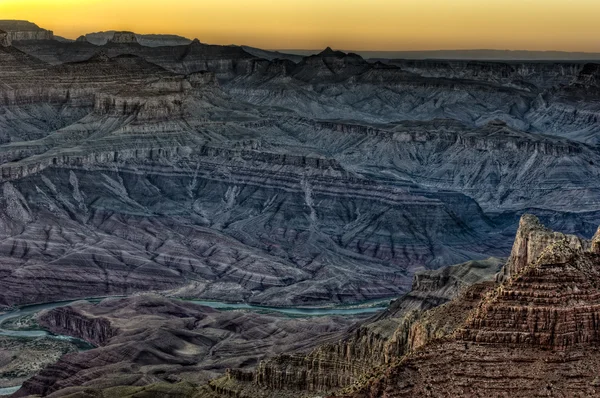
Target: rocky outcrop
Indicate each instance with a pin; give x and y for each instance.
(144, 107)
(595, 245)
(124, 38)
(69, 321)
(531, 241)
(535, 332)
(551, 302)
(589, 76)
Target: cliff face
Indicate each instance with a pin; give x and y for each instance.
(68, 321)
(403, 327)
(530, 331)
(532, 240)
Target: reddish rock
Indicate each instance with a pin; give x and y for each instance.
(534, 334)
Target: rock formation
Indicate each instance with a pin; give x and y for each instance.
(5, 40)
(532, 240)
(124, 38)
(149, 339)
(151, 40)
(25, 31)
(535, 332)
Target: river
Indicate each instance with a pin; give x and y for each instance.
(291, 311)
(364, 308)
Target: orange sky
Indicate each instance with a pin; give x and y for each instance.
(345, 24)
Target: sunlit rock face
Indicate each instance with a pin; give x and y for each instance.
(520, 329)
(543, 312)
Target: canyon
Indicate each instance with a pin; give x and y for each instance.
(159, 168)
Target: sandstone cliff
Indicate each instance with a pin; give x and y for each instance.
(535, 332)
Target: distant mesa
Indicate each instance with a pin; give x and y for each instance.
(4, 39)
(82, 39)
(147, 40)
(124, 38)
(25, 30)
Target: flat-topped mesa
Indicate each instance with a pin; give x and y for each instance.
(5, 40)
(530, 241)
(124, 38)
(25, 31)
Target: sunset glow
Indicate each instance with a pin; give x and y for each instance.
(344, 24)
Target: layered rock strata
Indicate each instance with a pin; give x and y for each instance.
(403, 327)
(535, 332)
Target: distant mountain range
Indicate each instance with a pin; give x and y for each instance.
(483, 55)
(24, 30)
(101, 38)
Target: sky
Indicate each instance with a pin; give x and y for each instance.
(379, 25)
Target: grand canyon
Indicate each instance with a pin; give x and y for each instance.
(182, 219)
